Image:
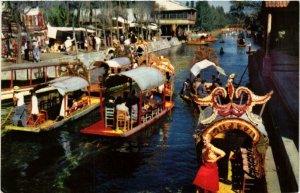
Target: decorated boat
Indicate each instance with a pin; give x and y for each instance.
(119, 122)
(204, 58)
(239, 132)
(241, 41)
(70, 100)
(197, 39)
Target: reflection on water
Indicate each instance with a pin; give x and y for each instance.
(161, 158)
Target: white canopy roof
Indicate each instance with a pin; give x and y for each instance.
(146, 77)
(52, 31)
(197, 67)
(68, 84)
(118, 62)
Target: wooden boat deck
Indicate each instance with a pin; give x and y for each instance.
(99, 128)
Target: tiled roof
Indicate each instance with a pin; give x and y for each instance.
(277, 4)
(167, 5)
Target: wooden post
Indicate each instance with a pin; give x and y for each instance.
(140, 107)
(65, 104)
(11, 78)
(46, 73)
(30, 83)
(101, 104)
(55, 71)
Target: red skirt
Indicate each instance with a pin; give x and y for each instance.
(208, 177)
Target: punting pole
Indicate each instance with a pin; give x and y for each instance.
(262, 109)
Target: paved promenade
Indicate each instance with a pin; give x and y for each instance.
(281, 117)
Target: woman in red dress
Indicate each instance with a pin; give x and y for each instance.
(207, 177)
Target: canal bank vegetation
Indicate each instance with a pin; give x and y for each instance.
(243, 13)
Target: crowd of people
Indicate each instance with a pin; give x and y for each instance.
(199, 86)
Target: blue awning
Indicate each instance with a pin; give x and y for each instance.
(146, 77)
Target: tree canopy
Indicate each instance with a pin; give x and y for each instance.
(210, 17)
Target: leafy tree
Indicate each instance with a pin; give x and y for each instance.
(210, 17)
(245, 12)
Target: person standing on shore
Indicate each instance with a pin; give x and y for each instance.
(207, 177)
(20, 112)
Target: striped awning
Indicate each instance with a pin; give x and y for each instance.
(146, 77)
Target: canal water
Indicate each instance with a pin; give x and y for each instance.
(161, 158)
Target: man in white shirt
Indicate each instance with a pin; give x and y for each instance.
(20, 112)
(68, 44)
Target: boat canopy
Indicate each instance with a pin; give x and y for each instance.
(118, 62)
(197, 67)
(68, 84)
(146, 77)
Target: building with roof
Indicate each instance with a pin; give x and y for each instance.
(175, 19)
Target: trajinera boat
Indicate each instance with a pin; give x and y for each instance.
(204, 58)
(134, 113)
(197, 39)
(239, 132)
(70, 100)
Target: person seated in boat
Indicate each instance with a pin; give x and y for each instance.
(149, 95)
(212, 85)
(84, 98)
(74, 105)
(122, 107)
(217, 83)
(119, 100)
(131, 100)
(186, 90)
(201, 89)
(241, 41)
(222, 51)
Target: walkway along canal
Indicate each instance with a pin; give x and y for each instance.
(161, 158)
